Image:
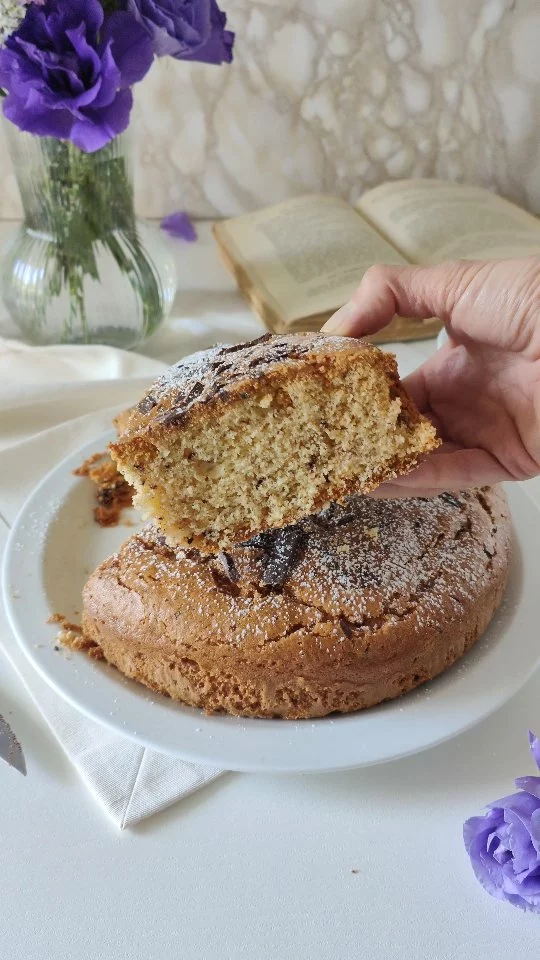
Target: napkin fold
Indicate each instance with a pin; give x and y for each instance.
(53, 400)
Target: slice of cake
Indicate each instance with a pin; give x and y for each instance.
(348, 608)
(246, 438)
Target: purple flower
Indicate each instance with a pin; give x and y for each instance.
(186, 29)
(504, 844)
(67, 72)
(180, 226)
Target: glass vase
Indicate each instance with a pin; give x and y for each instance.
(81, 268)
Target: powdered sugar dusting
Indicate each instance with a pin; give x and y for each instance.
(198, 377)
(329, 580)
(189, 368)
(181, 374)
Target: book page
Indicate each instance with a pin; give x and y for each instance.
(304, 256)
(434, 220)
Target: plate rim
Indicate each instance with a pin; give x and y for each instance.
(260, 765)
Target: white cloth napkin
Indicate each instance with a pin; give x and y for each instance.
(52, 401)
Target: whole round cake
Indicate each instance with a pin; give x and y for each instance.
(356, 605)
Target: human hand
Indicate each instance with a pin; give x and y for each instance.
(481, 389)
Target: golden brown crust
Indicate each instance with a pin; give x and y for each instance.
(355, 606)
(122, 420)
(216, 378)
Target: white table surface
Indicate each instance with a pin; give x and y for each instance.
(255, 867)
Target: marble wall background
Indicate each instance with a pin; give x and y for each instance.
(339, 95)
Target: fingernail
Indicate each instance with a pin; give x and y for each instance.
(339, 321)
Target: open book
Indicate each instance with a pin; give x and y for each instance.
(299, 261)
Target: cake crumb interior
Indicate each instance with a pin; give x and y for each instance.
(326, 434)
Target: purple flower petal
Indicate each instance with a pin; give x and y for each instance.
(32, 117)
(109, 81)
(529, 785)
(219, 45)
(534, 830)
(99, 127)
(534, 744)
(89, 12)
(179, 225)
(185, 29)
(132, 53)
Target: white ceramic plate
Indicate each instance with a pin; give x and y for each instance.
(55, 544)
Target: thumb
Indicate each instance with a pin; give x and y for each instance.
(421, 292)
(495, 302)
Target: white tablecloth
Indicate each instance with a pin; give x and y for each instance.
(254, 867)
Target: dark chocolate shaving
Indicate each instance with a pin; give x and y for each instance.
(262, 540)
(285, 552)
(348, 628)
(278, 353)
(227, 565)
(177, 413)
(451, 499)
(147, 404)
(245, 346)
(282, 351)
(173, 417)
(194, 392)
(219, 366)
(300, 349)
(334, 515)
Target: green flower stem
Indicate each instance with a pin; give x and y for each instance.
(85, 200)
